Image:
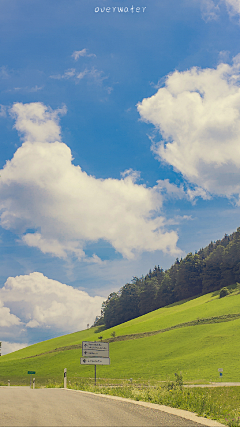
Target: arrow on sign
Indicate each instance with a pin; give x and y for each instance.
(95, 361)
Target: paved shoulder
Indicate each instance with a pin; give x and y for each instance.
(21, 406)
(194, 418)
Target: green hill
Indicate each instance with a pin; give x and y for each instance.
(195, 337)
(208, 270)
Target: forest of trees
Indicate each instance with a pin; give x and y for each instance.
(211, 268)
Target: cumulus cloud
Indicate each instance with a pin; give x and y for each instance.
(40, 302)
(37, 122)
(35, 306)
(197, 113)
(77, 53)
(64, 208)
(7, 319)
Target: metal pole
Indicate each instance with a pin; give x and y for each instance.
(95, 374)
(33, 383)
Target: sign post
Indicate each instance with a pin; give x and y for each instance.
(31, 373)
(95, 353)
(220, 370)
(65, 378)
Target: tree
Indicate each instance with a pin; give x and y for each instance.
(212, 270)
(188, 278)
(129, 302)
(148, 296)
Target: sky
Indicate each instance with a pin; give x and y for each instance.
(119, 149)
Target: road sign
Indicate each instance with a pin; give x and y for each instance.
(32, 372)
(95, 345)
(95, 353)
(220, 369)
(95, 361)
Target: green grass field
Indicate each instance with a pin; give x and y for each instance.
(205, 336)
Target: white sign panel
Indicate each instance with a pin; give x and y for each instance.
(95, 361)
(95, 353)
(220, 369)
(95, 345)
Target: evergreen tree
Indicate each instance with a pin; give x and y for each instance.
(212, 270)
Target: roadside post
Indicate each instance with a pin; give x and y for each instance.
(95, 353)
(65, 378)
(33, 383)
(31, 373)
(9, 383)
(220, 370)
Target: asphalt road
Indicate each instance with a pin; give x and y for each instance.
(21, 406)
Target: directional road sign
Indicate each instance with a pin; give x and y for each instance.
(32, 372)
(95, 353)
(95, 361)
(95, 345)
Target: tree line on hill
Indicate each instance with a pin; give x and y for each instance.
(211, 268)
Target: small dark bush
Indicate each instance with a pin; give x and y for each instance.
(177, 384)
(223, 292)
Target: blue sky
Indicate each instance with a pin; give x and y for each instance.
(119, 149)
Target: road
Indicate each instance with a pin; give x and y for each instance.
(21, 406)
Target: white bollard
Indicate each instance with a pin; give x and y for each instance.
(33, 383)
(9, 383)
(65, 378)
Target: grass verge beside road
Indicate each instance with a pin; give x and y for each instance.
(217, 403)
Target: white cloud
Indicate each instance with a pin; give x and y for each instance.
(211, 8)
(197, 113)
(33, 306)
(71, 72)
(233, 6)
(82, 74)
(96, 75)
(41, 189)
(4, 74)
(40, 302)
(77, 53)
(3, 111)
(36, 88)
(37, 122)
(171, 190)
(92, 74)
(26, 89)
(9, 347)
(7, 319)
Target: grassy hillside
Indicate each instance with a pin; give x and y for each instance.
(195, 337)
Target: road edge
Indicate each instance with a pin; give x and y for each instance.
(174, 411)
